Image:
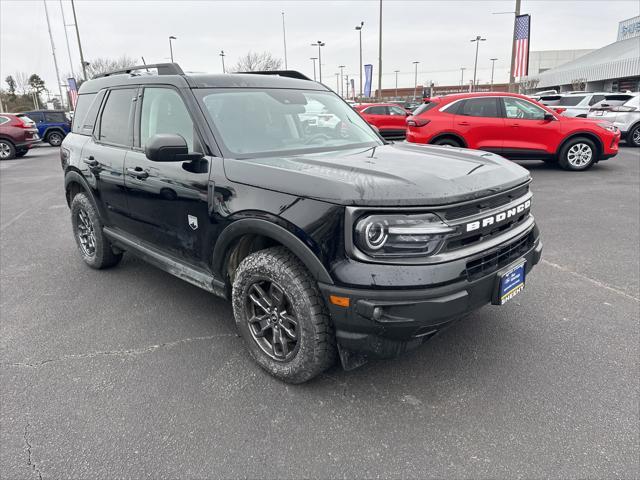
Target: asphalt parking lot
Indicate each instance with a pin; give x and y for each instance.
(133, 373)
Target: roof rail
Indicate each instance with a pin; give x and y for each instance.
(163, 69)
(281, 73)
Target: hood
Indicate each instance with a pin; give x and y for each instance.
(389, 175)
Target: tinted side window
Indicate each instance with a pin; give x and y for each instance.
(397, 111)
(595, 99)
(376, 111)
(115, 120)
(479, 107)
(163, 111)
(3, 120)
(55, 117)
(37, 117)
(85, 113)
(454, 108)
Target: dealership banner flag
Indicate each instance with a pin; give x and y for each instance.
(73, 91)
(522, 33)
(368, 74)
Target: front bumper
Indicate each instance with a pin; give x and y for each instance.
(610, 147)
(385, 322)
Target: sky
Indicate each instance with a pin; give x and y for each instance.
(435, 33)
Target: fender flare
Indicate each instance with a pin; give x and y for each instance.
(449, 134)
(74, 176)
(53, 129)
(271, 230)
(582, 133)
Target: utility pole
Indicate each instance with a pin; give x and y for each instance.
(415, 82)
(284, 41)
(338, 83)
(513, 48)
(75, 22)
(222, 55)
(66, 37)
(341, 67)
(462, 69)
(359, 29)
(478, 39)
(313, 59)
(319, 44)
(380, 55)
(53, 52)
(396, 72)
(347, 77)
(493, 64)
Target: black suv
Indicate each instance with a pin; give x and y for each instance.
(329, 241)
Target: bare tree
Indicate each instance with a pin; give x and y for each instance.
(101, 65)
(22, 82)
(579, 83)
(253, 61)
(528, 85)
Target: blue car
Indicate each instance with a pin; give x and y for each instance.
(53, 125)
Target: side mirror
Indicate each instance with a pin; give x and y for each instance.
(549, 117)
(169, 147)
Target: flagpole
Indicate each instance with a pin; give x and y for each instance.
(53, 52)
(513, 48)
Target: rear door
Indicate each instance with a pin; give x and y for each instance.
(527, 133)
(397, 118)
(377, 115)
(479, 122)
(168, 200)
(103, 155)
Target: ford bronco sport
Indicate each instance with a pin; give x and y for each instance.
(330, 242)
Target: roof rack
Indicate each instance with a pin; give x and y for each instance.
(163, 69)
(281, 73)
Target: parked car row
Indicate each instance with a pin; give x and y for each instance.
(20, 131)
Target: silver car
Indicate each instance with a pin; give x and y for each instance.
(623, 110)
(578, 104)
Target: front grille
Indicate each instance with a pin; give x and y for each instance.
(486, 204)
(499, 258)
(471, 239)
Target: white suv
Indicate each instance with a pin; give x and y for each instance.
(577, 104)
(623, 110)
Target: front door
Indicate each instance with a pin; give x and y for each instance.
(168, 200)
(528, 134)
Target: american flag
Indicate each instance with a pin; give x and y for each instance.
(521, 61)
(73, 91)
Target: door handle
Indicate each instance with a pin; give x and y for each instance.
(92, 162)
(138, 173)
(466, 124)
(515, 125)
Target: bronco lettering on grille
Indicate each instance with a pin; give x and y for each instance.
(499, 217)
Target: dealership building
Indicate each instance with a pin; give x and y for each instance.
(615, 67)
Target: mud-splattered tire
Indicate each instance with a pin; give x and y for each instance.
(282, 316)
(94, 247)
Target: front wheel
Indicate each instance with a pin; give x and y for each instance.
(93, 245)
(633, 137)
(55, 139)
(282, 317)
(578, 154)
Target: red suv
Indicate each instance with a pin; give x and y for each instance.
(388, 118)
(17, 135)
(513, 126)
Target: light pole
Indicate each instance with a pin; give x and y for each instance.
(462, 69)
(75, 21)
(171, 46)
(53, 53)
(347, 79)
(380, 55)
(337, 82)
(478, 39)
(396, 72)
(493, 64)
(341, 67)
(284, 40)
(319, 44)
(359, 29)
(313, 59)
(222, 55)
(415, 81)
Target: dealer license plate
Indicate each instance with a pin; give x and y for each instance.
(510, 283)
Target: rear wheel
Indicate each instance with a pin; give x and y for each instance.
(7, 150)
(282, 317)
(578, 154)
(633, 137)
(55, 138)
(447, 142)
(94, 247)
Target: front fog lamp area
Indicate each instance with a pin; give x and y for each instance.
(400, 235)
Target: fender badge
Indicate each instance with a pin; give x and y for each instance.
(193, 222)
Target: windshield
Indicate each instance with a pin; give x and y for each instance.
(263, 122)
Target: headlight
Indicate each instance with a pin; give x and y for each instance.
(608, 126)
(400, 235)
